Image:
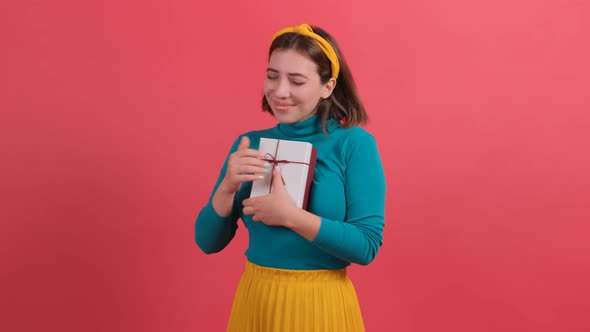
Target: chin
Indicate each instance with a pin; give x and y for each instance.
(282, 118)
(289, 121)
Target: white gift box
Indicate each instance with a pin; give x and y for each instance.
(297, 163)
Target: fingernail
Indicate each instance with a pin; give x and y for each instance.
(266, 170)
(277, 169)
(260, 176)
(267, 165)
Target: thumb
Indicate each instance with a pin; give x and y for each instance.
(277, 178)
(244, 143)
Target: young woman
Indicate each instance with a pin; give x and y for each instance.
(295, 276)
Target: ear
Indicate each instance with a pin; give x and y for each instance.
(328, 88)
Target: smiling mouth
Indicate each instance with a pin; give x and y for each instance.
(282, 107)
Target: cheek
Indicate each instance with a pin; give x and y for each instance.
(266, 88)
(305, 96)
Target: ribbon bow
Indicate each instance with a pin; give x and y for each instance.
(272, 159)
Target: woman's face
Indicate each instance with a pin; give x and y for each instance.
(293, 87)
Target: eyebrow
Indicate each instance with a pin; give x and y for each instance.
(289, 74)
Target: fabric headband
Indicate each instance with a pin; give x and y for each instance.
(306, 30)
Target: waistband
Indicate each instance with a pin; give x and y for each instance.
(271, 273)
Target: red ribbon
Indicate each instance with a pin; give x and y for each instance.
(272, 159)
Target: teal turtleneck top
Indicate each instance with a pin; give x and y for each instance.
(347, 192)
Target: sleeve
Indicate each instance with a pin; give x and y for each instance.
(358, 238)
(212, 231)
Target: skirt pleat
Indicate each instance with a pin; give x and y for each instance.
(278, 300)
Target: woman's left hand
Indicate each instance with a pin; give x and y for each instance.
(274, 209)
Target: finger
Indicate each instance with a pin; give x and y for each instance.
(250, 202)
(253, 170)
(277, 178)
(244, 143)
(247, 177)
(250, 153)
(253, 161)
(248, 210)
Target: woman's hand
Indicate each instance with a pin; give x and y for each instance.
(244, 165)
(274, 209)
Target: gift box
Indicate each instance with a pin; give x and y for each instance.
(297, 163)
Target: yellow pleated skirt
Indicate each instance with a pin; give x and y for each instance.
(277, 300)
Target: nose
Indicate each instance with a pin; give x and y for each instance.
(282, 88)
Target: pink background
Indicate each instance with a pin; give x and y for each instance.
(116, 116)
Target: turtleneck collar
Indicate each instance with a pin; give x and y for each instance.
(307, 127)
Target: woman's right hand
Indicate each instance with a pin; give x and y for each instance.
(244, 165)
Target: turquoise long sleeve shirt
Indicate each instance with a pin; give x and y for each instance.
(347, 193)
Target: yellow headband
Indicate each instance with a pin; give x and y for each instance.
(306, 30)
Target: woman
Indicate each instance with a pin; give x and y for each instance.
(295, 277)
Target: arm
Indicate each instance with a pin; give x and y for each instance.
(216, 224)
(358, 238)
(213, 229)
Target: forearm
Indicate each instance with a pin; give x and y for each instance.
(354, 241)
(212, 231)
(304, 223)
(222, 200)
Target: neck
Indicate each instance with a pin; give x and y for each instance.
(307, 127)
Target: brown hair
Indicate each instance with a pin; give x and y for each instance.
(344, 104)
